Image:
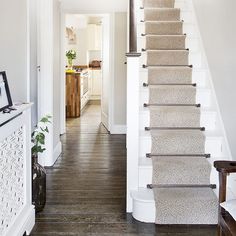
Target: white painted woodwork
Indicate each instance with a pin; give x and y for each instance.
(94, 36)
(133, 76)
(17, 212)
(143, 205)
(45, 73)
(95, 84)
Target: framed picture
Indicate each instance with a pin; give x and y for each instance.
(5, 96)
(71, 35)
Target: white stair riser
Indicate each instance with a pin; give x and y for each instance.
(188, 28)
(195, 59)
(203, 97)
(208, 120)
(191, 43)
(213, 146)
(144, 211)
(198, 77)
(144, 208)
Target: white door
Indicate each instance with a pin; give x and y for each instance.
(105, 108)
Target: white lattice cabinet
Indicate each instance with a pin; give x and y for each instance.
(17, 214)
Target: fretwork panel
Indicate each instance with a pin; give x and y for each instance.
(11, 178)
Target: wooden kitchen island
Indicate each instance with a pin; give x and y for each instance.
(73, 94)
(77, 92)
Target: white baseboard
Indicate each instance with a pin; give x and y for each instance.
(24, 223)
(57, 152)
(53, 158)
(118, 129)
(105, 120)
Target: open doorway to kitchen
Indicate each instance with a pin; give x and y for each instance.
(86, 68)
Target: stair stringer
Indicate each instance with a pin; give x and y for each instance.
(143, 201)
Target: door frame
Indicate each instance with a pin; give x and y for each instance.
(110, 85)
(45, 73)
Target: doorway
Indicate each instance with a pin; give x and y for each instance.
(88, 36)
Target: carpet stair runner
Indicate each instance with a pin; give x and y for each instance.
(181, 172)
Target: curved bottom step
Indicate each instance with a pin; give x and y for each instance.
(204, 210)
(144, 209)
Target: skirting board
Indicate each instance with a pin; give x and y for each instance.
(24, 223)
(118, 129)
(57, 152)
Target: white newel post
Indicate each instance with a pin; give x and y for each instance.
(132, 125)
(17, 214)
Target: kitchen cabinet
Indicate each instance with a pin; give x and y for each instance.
(95, 84)
(84, 89)
(94, 35)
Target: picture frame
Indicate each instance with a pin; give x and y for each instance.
(5, 95)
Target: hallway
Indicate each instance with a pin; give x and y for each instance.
(86, 187)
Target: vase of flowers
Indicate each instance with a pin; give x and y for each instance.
(38, 171)
(71, 55)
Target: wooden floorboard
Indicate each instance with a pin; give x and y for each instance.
(86, 187)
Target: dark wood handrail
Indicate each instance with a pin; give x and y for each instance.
(132, 26)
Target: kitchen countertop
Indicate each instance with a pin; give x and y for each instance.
(83, 70)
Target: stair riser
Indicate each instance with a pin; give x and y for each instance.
(213, 146)
(188, 28)
(195, 59)
(145, 176)
(191, 43)
(144, 211)
(161, 14)
(183, 5)
(186, 16)
(203, 97)
(198, 77)
(208, 120)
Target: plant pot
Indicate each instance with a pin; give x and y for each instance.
(70, 63)
(38, 185)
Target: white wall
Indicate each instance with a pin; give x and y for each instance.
(120, 68)
(101, 6)
(13, 46)
(80, 26)
(217, 24)
(56, 77)
(117, 71)
(33, 59)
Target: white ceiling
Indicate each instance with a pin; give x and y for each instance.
(94, 6)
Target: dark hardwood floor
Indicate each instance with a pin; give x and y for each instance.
(86, 187)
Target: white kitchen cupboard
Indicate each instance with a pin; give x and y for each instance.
(84, 89)
(94, 35)
(95, 84)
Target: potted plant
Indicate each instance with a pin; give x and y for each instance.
(71, 55)
(38, 171)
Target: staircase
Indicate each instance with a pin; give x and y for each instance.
(180, 130)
